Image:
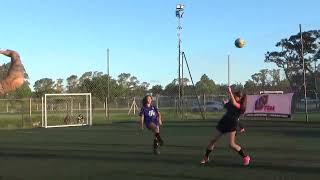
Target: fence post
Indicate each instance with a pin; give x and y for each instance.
(158, 100)
(30, 110)
(71, 107)
(106, 108)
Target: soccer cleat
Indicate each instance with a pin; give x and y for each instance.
(242, 130)
(205, 160)
(156, 151)
(155, 144)
(246, 160)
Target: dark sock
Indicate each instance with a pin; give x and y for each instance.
(242, 153)
(155, 144)
(158, 137)
(208, 151)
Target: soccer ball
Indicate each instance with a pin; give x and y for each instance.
(239, 43)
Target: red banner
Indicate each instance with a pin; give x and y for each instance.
(269, 104)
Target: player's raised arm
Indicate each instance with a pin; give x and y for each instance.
(233, 100)
(15, 76)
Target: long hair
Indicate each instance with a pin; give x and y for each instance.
(144, 100)
(243, 100)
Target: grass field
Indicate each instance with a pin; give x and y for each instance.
(281, 150)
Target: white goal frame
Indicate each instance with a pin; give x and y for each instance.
(88, 115)
(271, 92)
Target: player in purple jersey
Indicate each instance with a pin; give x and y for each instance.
(228, 125)
(150, 117)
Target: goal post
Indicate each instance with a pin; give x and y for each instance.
(67, 110)
(271, 92)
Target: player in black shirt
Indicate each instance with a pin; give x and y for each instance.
(228, 125)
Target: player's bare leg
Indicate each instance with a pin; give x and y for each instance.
(210, 147)
(233, 145)
(15, 76)
(157, 142)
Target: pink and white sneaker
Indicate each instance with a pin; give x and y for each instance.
(205, 160)
(246, 160)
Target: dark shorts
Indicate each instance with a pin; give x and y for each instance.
(226, 126)
(147, 123)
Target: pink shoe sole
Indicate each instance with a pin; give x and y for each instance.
(246, 160)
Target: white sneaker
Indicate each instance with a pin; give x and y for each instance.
(205, 160)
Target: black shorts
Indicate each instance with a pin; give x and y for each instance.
(226, 126)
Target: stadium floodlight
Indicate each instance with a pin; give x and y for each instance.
(179, 13)
(179, 10)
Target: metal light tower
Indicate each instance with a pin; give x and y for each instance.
(181, 60)
(304, 76)
(228, 70)
(179, 15)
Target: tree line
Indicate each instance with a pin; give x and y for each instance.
(288, 59)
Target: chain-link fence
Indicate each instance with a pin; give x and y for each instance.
(120, 100)
(313, 103)
(16, 113)
(27, 112)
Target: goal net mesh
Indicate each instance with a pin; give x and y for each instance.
(64, 110)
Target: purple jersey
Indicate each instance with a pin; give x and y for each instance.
(150, 114)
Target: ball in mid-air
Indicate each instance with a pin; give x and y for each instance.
(239, 43)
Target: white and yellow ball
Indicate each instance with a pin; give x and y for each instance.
(239, 43)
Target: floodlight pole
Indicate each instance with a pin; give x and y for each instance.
(179, 15)
(228, 70)
(304, 77)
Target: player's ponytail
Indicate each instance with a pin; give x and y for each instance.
(243, 103)
(243, 100)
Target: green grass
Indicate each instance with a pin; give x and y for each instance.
(20, 120)
(280, 149)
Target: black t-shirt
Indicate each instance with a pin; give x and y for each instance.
(232, 114)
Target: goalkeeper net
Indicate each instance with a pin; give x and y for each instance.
(65, 110)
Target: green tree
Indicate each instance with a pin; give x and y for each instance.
(85, 76)
(22, 92)
(275, 77)
(59, 86)
(156, 90)
(250, 87)
(261, 78)
(289, 57)
(42, 86)
(141, 89)
(72, 84)
(129, 86)
(206, 85)
(98, 86)
(123, 79)
(171, 89)
(123, 82)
